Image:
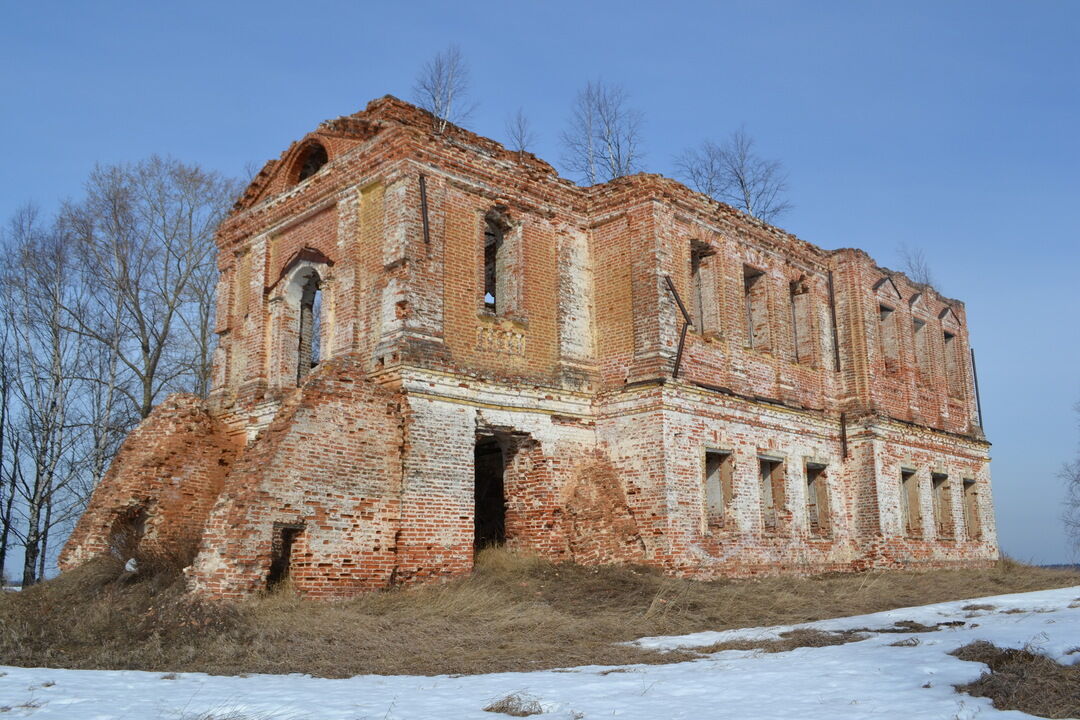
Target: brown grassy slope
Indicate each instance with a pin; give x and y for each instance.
(1023, 680)
(512, 613)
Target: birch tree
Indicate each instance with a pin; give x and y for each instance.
(735, 174)
(519, 133)
(442, 88)
(603, 138)
(144, 237)
(46, 360)
(1070, 475)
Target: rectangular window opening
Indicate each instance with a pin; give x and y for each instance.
(704, 310)
(817, 501)
(971, 510)
(910, 508)
(942, 505)
(755, 296)
(922, 350)
(802, 334)
(772, 493)
(493, 242)
(718, 487)
(952, 364)
(889, 345)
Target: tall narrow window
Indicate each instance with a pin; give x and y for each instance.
(922, 350)
(952, 363)
(802, 334)
(718, 486)
(971, 511)
(493, 241)
(817, 501)
(310, 328)
(703, 306)
(755, 295)
(942, 505)
(772, 492)
(890, 348)
(910, 507)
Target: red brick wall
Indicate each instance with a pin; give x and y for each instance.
(172, 467)
(330, 464)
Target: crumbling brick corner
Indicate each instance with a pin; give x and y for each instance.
(156, 496)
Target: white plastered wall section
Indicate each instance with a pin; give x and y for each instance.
(697, 421)
(443, 418)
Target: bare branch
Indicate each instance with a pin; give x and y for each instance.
(442, 88)
(916, 266)
(1070, 514)
(603, 139)
(519, 132)
(735, 174)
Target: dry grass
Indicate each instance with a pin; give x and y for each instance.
(516, 705)
(1023, 680)
(801, 637)
(513, 613)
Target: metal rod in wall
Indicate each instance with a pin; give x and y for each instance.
(423, 208)
(975, 375)
(843, 435)
(686, 324)
(835, 332)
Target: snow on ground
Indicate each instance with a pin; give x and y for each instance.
(865, 679)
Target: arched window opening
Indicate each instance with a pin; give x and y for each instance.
(310, 327)
(314, 159)
(495, 271)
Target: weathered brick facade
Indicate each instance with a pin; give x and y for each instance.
(499, 361)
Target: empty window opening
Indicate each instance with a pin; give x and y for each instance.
(942, 505)
(971, 511)
(952, 363)
(703, 306)
(910, 508)
(755, 296)
(772, 492)
(310, 328)
(817, 500)
(281, 554)
(922, 349)
(127, 532)
(313, 161)
(889, 344)
(496, 272)
(801, 331)
(489, 519)
(718, 486)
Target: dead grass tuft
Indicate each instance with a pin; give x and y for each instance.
(1023, 680)
(517, 705)
(906, 642)
(802, 637)
(979, 606)
(514, 613)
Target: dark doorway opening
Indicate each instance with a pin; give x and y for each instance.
(489, 520)
(281, 554)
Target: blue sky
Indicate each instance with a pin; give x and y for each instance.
(952, 127)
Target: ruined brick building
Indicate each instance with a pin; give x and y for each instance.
(429, 343)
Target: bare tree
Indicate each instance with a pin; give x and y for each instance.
(603, 139)
(735, 174)
(442, 88)
(519, 132)
(40, 288)
(144, 235)
(1070, 474)
(916, 266)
